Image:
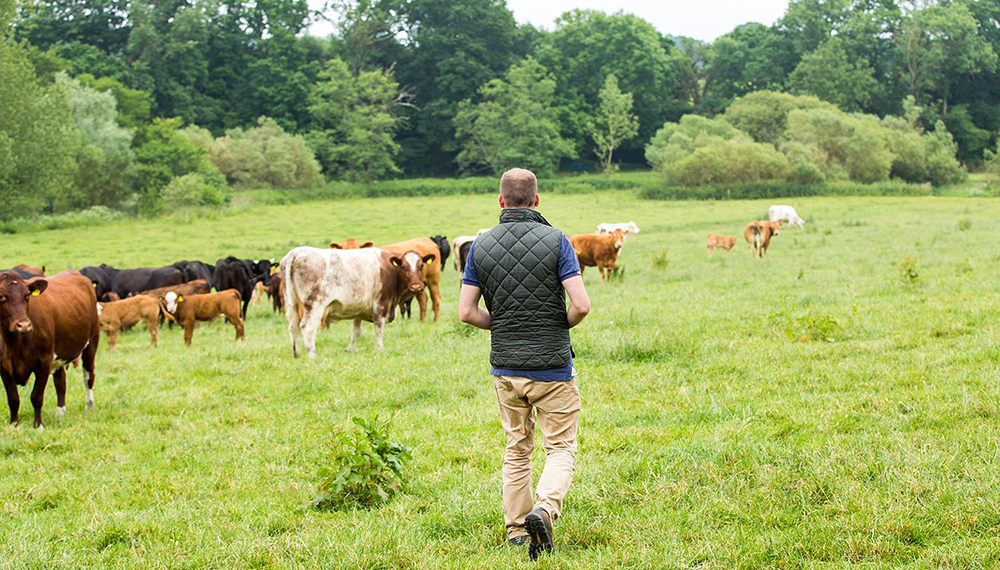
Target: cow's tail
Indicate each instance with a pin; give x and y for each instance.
(164, 312)
(291, 299)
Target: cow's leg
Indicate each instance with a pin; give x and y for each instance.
(59, 381)
(600, 267)
(188, 332)
(154, 332)
(38, 392)
(422, 299)
(112, 339)
(436, 301)
(89, 355)
(246, 304)
(238, 324)
(13, 401)
(355, 333)
(710, 248)
(310, 328)
(294, 327)
(379, 323)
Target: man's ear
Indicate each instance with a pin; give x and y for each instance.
(37, 286)
(538, 200)
(429, 258)
(500, 197)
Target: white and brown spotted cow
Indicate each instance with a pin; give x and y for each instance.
(353, 284)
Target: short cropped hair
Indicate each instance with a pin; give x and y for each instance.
(518, 188)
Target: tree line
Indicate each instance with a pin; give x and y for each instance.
(108, 102)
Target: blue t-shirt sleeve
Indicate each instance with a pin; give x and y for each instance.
(471, 276)
(569, 265)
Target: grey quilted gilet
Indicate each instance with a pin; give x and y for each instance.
(518, 267)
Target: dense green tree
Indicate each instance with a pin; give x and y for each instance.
(104, 155)
(514, 124)
(103, 24)
(162, 154)
(133, 105)
(763, 114)
(830, 74)
(452, 48)
(615, 121)
(587, 46)
(356, 116)
(938, 44)
(38, 137)
(751, 58)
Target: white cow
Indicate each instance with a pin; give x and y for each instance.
(785, 214)
(359, 284)
(608, 228)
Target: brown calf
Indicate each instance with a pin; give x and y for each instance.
(45, 324)
(758, 235)
(277, 292)
(187, 311)
(121, 314)
(600, 250)
(429, 252)
(724, 242)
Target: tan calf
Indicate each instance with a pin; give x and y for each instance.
(187, 311)
(598, 250)
(724, 242)
(126, 313)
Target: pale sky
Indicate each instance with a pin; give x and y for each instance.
(701, 19)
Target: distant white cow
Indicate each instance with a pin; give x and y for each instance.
(608, 228)
(785, 214)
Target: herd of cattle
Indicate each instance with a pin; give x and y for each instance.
(758, 233)
(48, 323)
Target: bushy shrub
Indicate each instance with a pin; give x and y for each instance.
(942, 166)
(363, 467)
(763, 114)
(264, 156)
(853, 145)
(729, 162)
(767, 190)
(162, 154)
(190, 191)
(807, 325)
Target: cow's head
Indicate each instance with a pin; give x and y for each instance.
(171, 301)
(15, 294)
(619, 239)
(631, 228)
(351, 243)
(775, 227)
(262, 269)
(411, 268)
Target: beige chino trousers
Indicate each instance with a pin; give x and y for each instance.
(558, 410)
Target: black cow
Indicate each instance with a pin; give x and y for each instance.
(463, 254)
(242, 275)
(102, 277)
(23, 273)
(134, 281)
(194, 270)
(444, 246)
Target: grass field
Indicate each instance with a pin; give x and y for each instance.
(709, 438)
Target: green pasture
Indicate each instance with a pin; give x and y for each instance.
(835, 406)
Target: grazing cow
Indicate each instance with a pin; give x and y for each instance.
(196, 287)
(428, 250)
(127, 313)
(187, 311)
(724, 242)
(360, 285)
(758, 235)
(33, 271)
(242, 275)
(598, 250)
(351, 243)
(195, 270)
(444, 247)
(102, 278)
(608, 228)
(461, 246)
(45, 324)
(276, 290)
(785, 214)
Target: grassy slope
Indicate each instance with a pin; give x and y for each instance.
(708, 438)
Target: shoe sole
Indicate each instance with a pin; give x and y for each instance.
(541, 538)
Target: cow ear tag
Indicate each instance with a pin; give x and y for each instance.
(180, 299)
(395, 263)
(36, 293)
(95, 285)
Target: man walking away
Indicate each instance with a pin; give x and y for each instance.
(523, 269)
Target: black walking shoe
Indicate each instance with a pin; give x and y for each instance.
(518, 540)
(538, 523)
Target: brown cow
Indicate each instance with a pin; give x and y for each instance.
(187, 311)
(359, 285)
(45, 324)
(130, 312)
(29, 269)
(351, 243)
(599, 250)
(196, 287)
(427, 250)
(725, 242)
(758, 235)
(277, 292)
